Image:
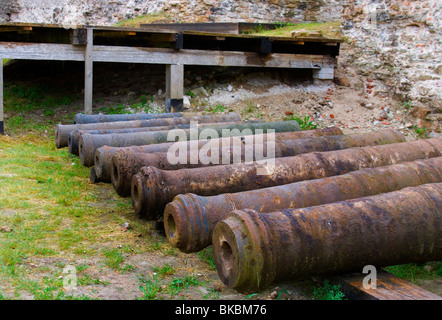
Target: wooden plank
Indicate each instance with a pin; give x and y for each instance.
(88, 72)
(42, 25)
(122, 54)
(388, 287)
(224, 27)
(259, 36)
(41, 51)
(210, 58)
(2, 127)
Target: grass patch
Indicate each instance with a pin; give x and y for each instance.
(145, 19)
(50, 207)
(21, 98)
(165, 270)
(414, 272)
(330, 30)
(114, 259)
(86, 280)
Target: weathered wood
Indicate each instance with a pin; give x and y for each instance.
(179, 41)
(388, 287)
(78, 37)
(265, 46)
(321, 40)
(174, 87)
(207, 57)
(41, 51)
(325, 73)
(2, 128)
(88, 72)
(14, 50)
(225, 27)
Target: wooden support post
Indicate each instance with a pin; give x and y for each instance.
(174, 87)
(325, 73)
(265, 46)
(2, 127)
(88, 71)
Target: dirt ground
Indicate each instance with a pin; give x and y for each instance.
(253, 93)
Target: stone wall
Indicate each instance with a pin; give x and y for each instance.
(100, 12)
(394, 46)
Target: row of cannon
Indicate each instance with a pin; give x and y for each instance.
(323, 202)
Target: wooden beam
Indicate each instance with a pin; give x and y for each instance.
(388, 287)
(78, 37)
(2, 127)
(88, 72)
(179, 41)
(209, 58)
(40, 51)
(224, 27)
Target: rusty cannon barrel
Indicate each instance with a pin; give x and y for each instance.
(74, 136)
(189, 219)
(252, 250)
(103, 155)
(62, 131)
(81, 118)
(152, 188)
(89, 143)
(126, 163)
(93, 176)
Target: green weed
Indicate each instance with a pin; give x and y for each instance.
(305, 122)
(179, 284)
(420, 132)
(217, 108)
(150, 288)
(190, 94)
(328, 292)
(207, 256)
(408, 104)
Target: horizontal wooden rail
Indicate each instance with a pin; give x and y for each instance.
(67, 52)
